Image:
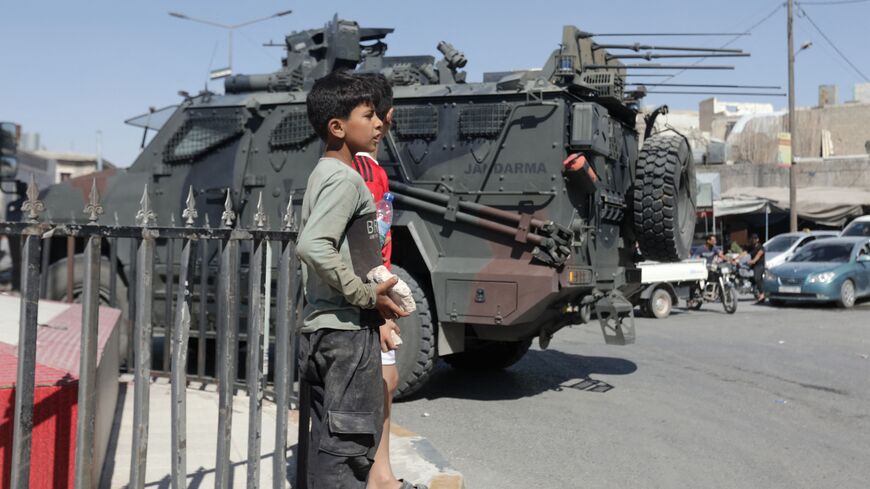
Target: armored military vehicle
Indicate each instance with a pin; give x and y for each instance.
(521, 199)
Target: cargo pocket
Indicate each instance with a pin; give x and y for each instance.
(351, 434)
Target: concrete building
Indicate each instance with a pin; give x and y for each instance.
(862, 92)
(71, 165)
(718, 117)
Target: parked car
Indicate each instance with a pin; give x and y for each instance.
(859, 227)
(830, 270)
(780, 248)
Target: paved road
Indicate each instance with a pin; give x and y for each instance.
(772, 398)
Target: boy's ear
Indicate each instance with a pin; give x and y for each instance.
(388, 119)
(335, 128)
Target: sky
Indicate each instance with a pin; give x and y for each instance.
(72, 68)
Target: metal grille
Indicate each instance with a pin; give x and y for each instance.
(294, 131)
(607, 84)
(483, 121)
(202, 132)
(416, 122)
(236, 293)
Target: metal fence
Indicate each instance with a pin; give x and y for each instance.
(251, 305)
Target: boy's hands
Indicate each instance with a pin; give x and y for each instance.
(387, 342)
(385, 306)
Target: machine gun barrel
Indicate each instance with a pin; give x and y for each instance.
(649, 56)
(707, 85)
(659, 67)
(742, 94)
(637, 47)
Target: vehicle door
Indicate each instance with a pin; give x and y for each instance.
(862, 272)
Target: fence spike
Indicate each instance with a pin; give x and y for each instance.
(260, 217)
(288, 215)
(145, 216)
(33, 206)
(207, 223)
(189, 214)
(94, 209)
(228, 216)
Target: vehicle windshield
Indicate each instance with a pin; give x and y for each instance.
(824, 252)
(857, 229)
(780, 243)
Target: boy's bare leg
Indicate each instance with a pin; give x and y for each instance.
(381, 474)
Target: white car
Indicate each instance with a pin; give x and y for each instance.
(860, 227)
(780, 248)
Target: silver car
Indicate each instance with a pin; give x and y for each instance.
(780, 248)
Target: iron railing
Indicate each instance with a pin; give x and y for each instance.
(187, 321)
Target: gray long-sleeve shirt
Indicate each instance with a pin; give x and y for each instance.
(338, 244)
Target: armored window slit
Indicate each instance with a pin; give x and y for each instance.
(202, 132)
(483, 121)
(293, 132)
(416, 122)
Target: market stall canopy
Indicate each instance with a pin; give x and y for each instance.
(827, 206)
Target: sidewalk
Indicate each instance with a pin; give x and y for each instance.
(413, 457)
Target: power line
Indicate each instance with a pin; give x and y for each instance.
(831, 43)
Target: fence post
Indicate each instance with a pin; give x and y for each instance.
(227, 357)
(87, 401)
(142, 349)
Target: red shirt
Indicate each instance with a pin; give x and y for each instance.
(378, 184)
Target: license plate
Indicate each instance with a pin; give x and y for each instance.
(790, 289)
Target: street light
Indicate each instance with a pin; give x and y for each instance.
(229, 28)
(804, 47)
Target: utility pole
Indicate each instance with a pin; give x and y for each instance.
(792, 177)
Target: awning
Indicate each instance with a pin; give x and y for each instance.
(827, 206)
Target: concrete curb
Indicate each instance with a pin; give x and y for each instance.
(416, 459)
(413, 457)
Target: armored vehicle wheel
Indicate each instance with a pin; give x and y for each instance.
(489, 355)
(664, 202)
(56, 290)
(415, 358)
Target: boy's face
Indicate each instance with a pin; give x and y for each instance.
(361, 131)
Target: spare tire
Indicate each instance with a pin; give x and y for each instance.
(664, 198)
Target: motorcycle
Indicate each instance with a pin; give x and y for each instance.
(719, 286)
(744, 281)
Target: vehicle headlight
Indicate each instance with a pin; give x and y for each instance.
(769, 275)
(821, 278)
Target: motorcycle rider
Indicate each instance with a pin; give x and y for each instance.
(710, 252)
(756, 261)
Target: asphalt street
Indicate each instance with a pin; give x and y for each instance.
(764, 398)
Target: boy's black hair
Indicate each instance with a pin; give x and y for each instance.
(383, 93)
(334, 97)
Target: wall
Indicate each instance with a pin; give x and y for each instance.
(851, 172)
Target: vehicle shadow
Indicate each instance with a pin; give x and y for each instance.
(538, 372)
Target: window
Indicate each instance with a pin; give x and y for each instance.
(825, 252)
(65, 176)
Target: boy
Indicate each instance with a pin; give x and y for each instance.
(381, 475)
(338, 244)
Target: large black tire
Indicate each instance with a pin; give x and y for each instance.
(415, 358)
(56, 290)
(664, 198)
(485, 355)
